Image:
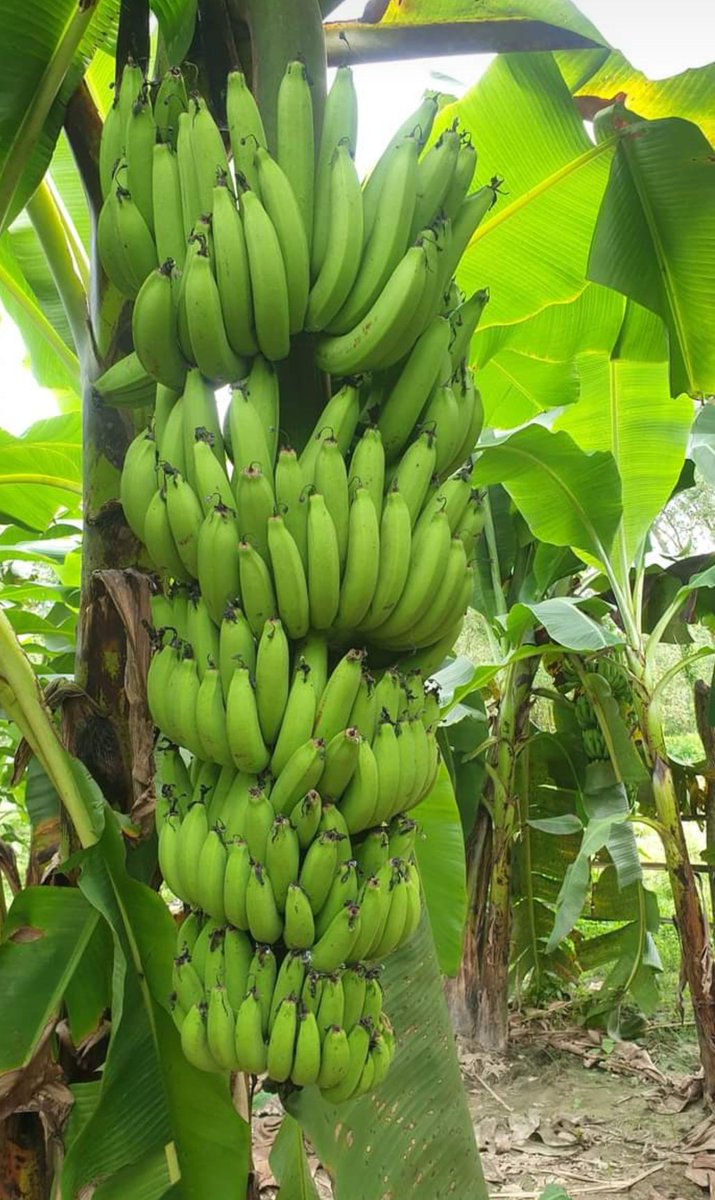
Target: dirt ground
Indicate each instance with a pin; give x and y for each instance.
(574, 1110)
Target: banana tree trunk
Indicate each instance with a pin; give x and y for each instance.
(706, 732)
(479, 998)
(24, 1173)
(690, 917)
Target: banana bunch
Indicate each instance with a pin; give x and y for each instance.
(307, 591)
(226, 256)
(336, 540)
(239, 1008)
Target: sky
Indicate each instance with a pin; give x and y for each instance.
(661, 37)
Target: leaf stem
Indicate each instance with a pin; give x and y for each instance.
(44, 213)
(22, 699)
(39, 320)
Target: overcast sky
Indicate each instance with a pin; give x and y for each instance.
(661, 37)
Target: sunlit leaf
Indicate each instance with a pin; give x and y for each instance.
(40, 472)
(441, 859)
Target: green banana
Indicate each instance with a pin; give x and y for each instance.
(443, 416)
(358, 1049)
(186, 981)
(414, 904)
(170, 440)
(258, 823)
(323, 557)
(363, 714)
(305, 818)
(402, 833)
(332, 1002)
(339, 695)
(463, 322)
(221, 1029)
(138, 481)
(211, 349)
(289, 578)
(126, 384)
(299, 922)
(297, 720)
(243, 729)
(264, 920)
(263, 388)
(249, 442)
(262, 975)
(354, 979)
(447, 595)
(290, 980)
(188, 182)
(388, 239)
(217, 561)
(194, 1039)
(331, 481)
(202, 635)
(210, 875)
(334, 1058)
(238, 868)
(257, 594)
(296, 139)
(362, 562)
(387, 755)
(422, 370)
(232, 271)
(208, 477)
(341, 759)
(339, 418)
(415, 470)
(171, 101)
(124, 241)
(394, 928)
(168, 847)
(313, 651)
(238, 957)
(251, 1050)
(189, 843)
(374, 909)
(461, 179)
(290, 498)
(318, 868)
(418, 125)
(339, 126)
(367, 466)
(185, 681)
(358, 804)
(281, 1044)
(434, 178)
(185, 517)
(281, 204)
(272, 679)
(394, 561)
(344, 245)
(255, 504)
(386, 331)
(210, 935)
(343, 890)
(282, 858)
(299, 775)
(139, 150)
(372, 1005)
(269, 284)
(336, 944)
(210, 159)
(245, 127)
(306, 1061)
(428, 563)
(332, 819)
(236, 645)
(111, 148)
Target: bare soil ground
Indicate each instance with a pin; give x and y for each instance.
(574, 1110)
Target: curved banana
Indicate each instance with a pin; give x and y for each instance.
(140, 140)
(126, 384)
(417, 125)
(210, 161)
(257, 595)
(434, 178)
(171, 101)
(289, 578)
(272, 678)
(421, 372)
(269, 285)
(339, 126)
(279, 201)
(138, 481)
(323, 564)
(394, 560)
(237, 646)
(232, 272)
(297, 720)
(344, 245)
(245, 127)
(210, 346)
(362, 562)
(243, 728)
(154, 329)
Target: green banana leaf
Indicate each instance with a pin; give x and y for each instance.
(46, 47)
(177, 19)
(565, 496)
(54, 362)
(655, 237)
(44, 942)
(40, 472)
(413, 1136)
(597, 76)
(289, 1163)
(564, 621)
(646, 431)
(156, 1120)
(441, 859)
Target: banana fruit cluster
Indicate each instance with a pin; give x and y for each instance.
(227, 257)
(306, 591)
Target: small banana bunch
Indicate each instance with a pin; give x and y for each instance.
(239, 1009)
(225, 258)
